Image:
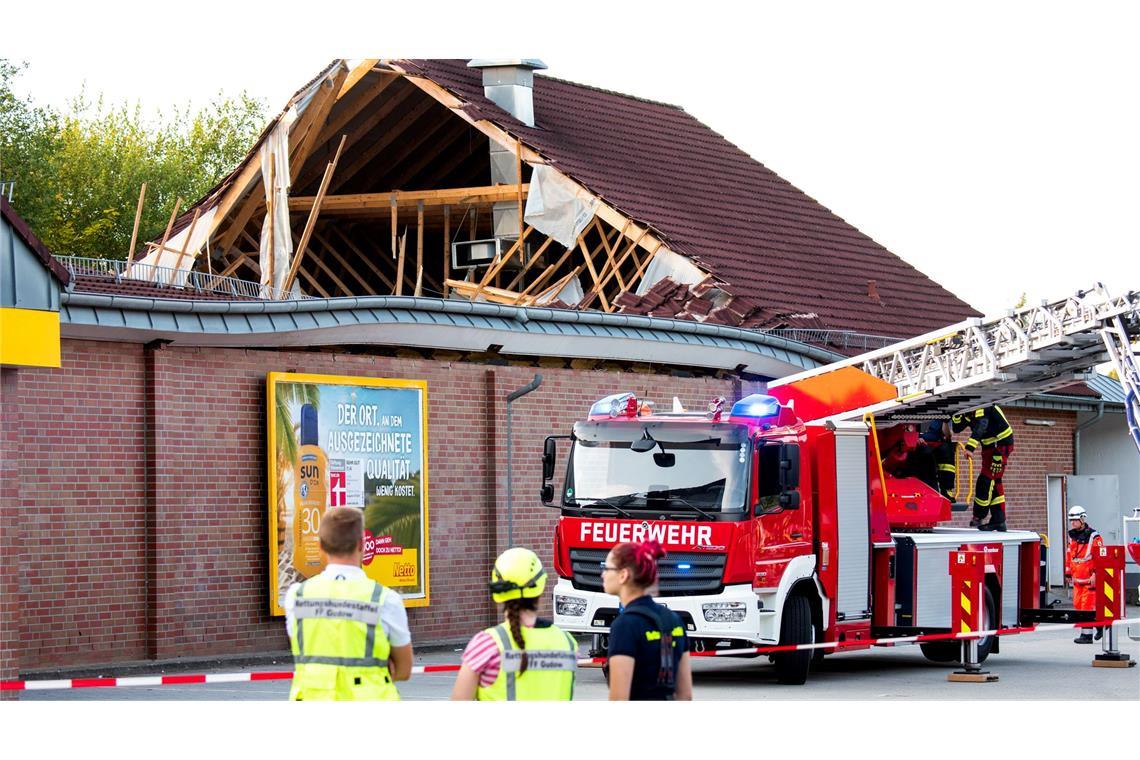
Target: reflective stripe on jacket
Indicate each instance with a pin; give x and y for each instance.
(551, 662)
(339, 647)
(988, 427)
(1078, 559)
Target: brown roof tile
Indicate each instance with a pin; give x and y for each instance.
(751, 229)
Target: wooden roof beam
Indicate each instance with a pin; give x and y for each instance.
(409, 198)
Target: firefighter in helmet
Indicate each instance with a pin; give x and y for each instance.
(1083, 541)
(525, 657)
(991, 430)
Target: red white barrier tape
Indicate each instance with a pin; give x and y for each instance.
(265, 675)
(858, 643)
(286, 675)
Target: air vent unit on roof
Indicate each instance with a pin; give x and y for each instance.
(469, 254)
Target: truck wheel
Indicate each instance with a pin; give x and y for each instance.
(951, 651)
(989, 622)
(795, 628)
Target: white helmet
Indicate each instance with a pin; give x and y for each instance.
(1077, 512)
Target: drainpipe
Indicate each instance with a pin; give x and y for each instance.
(1077, 437)
(512, 396)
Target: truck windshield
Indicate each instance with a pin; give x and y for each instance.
(691, 466)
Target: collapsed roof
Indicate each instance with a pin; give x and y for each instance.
(420, 177)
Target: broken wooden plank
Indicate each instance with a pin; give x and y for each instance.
(186, 242)
(419, 249)
(400, 265)
(446, 247)
(530, 262)
(358, 72)
(498, 265)
(300, 253)
(315, 116)
(135, 229)
(491, 294)
(537, 283)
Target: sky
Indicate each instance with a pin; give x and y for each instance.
(994, 146)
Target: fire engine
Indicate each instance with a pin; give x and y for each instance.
(782, 525)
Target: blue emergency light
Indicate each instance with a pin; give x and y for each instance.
(685, 566)
(756, 406)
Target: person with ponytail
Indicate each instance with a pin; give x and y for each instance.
(648, 653)
(526, 657)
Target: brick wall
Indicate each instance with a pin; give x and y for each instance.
(143, 504)
(9, 526)
(142, 523)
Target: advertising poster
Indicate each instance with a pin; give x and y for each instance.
(349, 442)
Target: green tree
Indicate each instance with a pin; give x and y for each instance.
(77, 171)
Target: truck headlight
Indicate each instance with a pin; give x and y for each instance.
(571, 606)
(724, 612)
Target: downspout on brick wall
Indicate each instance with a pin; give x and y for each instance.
(1077, 437)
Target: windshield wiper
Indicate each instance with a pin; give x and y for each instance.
(686, 502)
(616, 502)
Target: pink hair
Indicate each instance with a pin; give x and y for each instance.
(641, 558)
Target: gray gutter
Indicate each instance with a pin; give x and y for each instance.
(89, 313)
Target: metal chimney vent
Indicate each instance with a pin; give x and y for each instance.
(509, 84)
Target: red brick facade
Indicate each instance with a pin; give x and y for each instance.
(143, 488)
(138, 509)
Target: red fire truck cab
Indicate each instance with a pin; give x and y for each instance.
(777, 531)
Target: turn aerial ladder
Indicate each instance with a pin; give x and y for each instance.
(979, 362)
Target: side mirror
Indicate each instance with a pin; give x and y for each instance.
(548, 493)
(789, 466)
(790, 500)
(549, 451)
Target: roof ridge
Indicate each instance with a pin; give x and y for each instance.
(625, 95)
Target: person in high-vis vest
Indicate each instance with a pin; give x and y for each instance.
(349, 634)
(525, 658)
(990, 430)
(1083, 541)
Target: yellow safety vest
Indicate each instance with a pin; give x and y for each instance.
(551, 662)
(340, 649)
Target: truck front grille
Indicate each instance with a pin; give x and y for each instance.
(704, 574)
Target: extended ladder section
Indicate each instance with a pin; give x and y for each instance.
(978, 362)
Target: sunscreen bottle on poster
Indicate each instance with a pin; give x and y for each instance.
(310, 496)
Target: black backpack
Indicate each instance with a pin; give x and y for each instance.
(658, 616)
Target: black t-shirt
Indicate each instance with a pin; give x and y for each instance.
(628, 637)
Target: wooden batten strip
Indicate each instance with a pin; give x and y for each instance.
(327, 247)
(332, 275)
(537, 283)
(362, 256)
(526, 267)
(313, 282)
(502, 262)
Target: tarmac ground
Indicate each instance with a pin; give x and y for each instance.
(1036, 666)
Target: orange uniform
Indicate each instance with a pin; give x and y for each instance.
(1079, 565)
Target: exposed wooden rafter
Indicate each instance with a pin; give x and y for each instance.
(409, 199)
